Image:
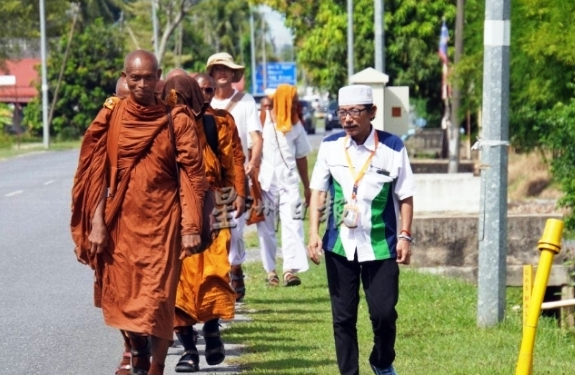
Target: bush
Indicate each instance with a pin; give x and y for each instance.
(68, 134)
(5, 141)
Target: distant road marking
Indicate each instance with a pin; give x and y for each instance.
(14, 193)
(49, 182)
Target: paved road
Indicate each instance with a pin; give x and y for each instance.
(48, 324)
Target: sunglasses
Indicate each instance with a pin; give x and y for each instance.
(208, 90)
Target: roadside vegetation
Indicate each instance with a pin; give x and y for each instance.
(289, 330)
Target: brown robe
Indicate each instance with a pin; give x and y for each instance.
(137, 274)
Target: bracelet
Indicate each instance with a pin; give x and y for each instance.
(403, 237)
(406, 232)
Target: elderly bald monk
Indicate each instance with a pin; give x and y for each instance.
(131, 218)
(124, 367)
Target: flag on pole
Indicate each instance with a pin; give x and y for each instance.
(443, 39)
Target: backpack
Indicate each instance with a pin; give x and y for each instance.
(211, 132)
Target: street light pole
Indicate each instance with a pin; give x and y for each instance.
(46, 125)
(350, 53)
(492, 236)
(264, 57)
(155, 27)
(378, 15)
(454, 127)
(253, 52)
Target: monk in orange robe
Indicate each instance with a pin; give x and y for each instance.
(131, 218)
(204, 293)
(224, 118)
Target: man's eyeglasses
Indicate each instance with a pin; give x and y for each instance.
(208, 90)
(342, 113)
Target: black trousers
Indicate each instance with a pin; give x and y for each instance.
(380, 281)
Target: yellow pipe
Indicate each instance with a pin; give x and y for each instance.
(527, 289)
(549, 245)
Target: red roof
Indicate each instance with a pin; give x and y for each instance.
(26, 77)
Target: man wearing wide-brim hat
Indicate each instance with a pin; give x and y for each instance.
(222, 68)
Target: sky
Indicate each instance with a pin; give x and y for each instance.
(280, 33)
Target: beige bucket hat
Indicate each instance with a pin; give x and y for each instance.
(223, 58)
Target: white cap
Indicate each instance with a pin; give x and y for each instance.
(355, 94)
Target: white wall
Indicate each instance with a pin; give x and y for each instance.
(456, 193)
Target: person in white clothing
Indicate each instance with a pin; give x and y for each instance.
(242, 106)
(368, 232)
(284, 163)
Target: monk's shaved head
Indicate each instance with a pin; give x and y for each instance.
(208, 86)
(122, 90)
(142, 74)
(176, 72)
(139, 57)
(201, 77)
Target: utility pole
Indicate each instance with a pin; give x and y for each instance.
(155, 27)
(264, 57)
(46, 124)
(350, 53)
(378, 21)
(253, 52)
(453, 130)
(178, 46)
(493, 211)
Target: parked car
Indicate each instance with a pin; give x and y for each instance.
(258, 98)
(331, 120)
(308, 118)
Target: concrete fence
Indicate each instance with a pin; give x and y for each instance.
(448, 245)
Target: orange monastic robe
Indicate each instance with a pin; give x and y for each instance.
(226, 119)
(204, 292)
(137, 275)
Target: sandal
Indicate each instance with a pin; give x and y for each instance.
(189, 362)
(290, 279)
(141, 356)
(237, 277)
(215, 352)
(125, 364)
(273, 280)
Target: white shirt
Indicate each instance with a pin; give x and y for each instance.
(291, 146)
(245, 115)
(387, 180)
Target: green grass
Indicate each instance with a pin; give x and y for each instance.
(29, 147)
(290, 330)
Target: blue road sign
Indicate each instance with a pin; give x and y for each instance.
(276, 73)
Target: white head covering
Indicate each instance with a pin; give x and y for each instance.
(355, 94)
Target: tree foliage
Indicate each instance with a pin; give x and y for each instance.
(19, 19)
(90, 76)
(411, 39)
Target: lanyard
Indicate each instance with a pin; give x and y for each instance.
(358, 177)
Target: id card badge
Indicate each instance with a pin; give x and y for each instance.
(350, 216)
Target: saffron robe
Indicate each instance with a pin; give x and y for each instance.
(204, 291)
(137, 274)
